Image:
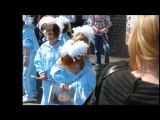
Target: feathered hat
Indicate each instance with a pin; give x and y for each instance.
(86, 30)
(61, 20)
(76, 49)
(48, 19)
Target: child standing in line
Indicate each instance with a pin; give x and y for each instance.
(84, 78)
(46, 57)
(60, 73)
(30, 47)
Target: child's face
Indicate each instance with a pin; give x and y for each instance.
(50, 35)
(71, 70)
(74, 69)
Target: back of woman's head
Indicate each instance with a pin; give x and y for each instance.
(144, 42)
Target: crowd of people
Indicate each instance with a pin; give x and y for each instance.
(56, 48)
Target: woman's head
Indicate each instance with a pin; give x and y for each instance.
(144, 43)
(52, 31)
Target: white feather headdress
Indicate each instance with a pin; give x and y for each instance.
(28, 20)
(74, 49)
(65, 47)
(86, 30)
(61, 20)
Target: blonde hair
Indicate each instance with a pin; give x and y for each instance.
(81, 37)
(144, 42)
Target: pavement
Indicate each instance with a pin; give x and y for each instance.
(37, 99)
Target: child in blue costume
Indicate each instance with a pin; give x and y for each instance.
(60, 73)
(30, 47)
(84, 78)
(46, 57)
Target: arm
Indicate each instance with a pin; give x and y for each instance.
(27, 45)
(95, 29)
(57, 74)
(39, 65)
(38, 62)
(26, 54)
(86, 92)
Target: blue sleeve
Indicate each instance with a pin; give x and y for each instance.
(38, 61)
(57, 74)
(85, 92)
(27, 43)
(88, 86)
(73, 85)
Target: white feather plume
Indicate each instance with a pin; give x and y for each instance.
(61, 20)
(28, 20)
(65, 47)
(78, 49)
(87, 30)
(74, 49)
(64, 19)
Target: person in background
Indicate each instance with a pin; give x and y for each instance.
(46, 57)
(30, 47)
(101, 24)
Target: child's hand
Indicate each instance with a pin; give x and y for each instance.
(43, 76)
(69, 87)
(97, 31)
(64, 87)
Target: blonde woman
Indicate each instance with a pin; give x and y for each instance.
(140, 85)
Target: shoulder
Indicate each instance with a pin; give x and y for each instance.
(88, 73)
(60, 42)
(117, 72)
(117, 87)
(121, 77)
